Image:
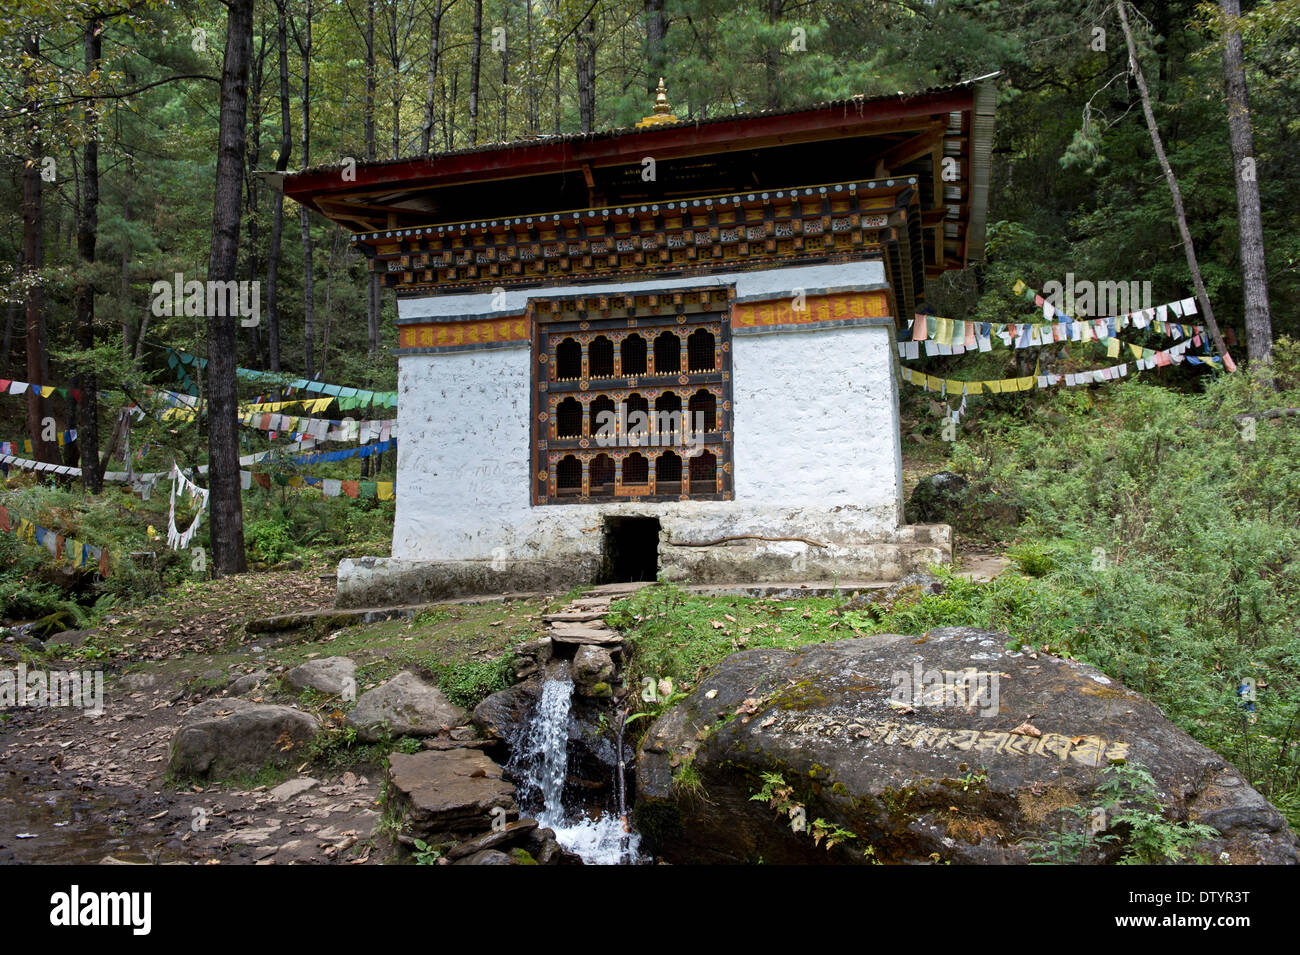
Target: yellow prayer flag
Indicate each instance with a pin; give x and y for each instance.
(933, 382)
(1024, 384)
(1112, 348)
(1136, 350)
(385, 490)
(974, 387)
(954, 387)
(47, 390)
(1018, 287)
(994, 386)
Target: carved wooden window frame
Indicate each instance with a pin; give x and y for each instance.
(680, 313)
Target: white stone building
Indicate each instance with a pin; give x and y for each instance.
(604, 376)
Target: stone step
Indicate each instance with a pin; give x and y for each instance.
(582, 616)
(589, 603)
(606, 638)
(618, 590)
(581, 629)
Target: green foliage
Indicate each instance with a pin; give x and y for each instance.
(779, 795)
(268, 540)
(426, 854)
(467, 682)
(1127, 813)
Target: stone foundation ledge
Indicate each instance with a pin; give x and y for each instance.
(389, 581)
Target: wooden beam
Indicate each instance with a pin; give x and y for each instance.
(914, 146)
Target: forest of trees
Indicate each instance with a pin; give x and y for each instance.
(115, 135)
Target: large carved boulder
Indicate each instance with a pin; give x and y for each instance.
(943, 748)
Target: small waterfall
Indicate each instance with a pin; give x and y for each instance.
(540, 763)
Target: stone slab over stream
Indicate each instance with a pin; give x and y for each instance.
(944, 748)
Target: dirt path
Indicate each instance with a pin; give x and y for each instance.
(75, 788)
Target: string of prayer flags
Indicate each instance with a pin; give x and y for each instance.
(364, 452)
(180, 540)
(138, 479)
(357, 397)
(10, 387)
(321, 429)
(329, 487)
(25, 445)
(75, 552)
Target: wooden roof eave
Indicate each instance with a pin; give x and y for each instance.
(534, 158)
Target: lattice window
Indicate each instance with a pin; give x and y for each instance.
(568, 475)
(568, 361)
(704, 468)
(636, 469)
(668, 354)
(668, 472)
(703, 410)
(601, 407)
(700, 351)
(636, 405)
(602, 476)
(668, 417)
(568, 418)
(638, 414)
(634, 352)
(600, 358)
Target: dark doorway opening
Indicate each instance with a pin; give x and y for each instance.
(631, 550)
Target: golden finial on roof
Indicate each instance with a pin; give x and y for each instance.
(662, 112)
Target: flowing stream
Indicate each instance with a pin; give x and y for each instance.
(540, 762)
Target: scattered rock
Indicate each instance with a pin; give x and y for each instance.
(139, 681)
(294, 787)
(593, 671)
(487, 857)
(335, 676)
(908, 744)
(448, 795)
(510, 834)
(225, 737)
(909, 590)
(70, 639)
(247, 682)
(938, 499)
(404, 706)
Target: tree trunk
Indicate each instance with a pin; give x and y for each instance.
(252, 185)
(87, 233)
(281, 164)
(530, 80)
(586, 47)
(304, 217)
(227, 519)
(656, 28)
(1254, 279)
(11, 319)
(1188, 248)
(372, 286)
(475, 61)
(33, 238)
(435, 40)
(505, 72)
(770, 56)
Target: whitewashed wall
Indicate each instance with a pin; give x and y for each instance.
(815, 454)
